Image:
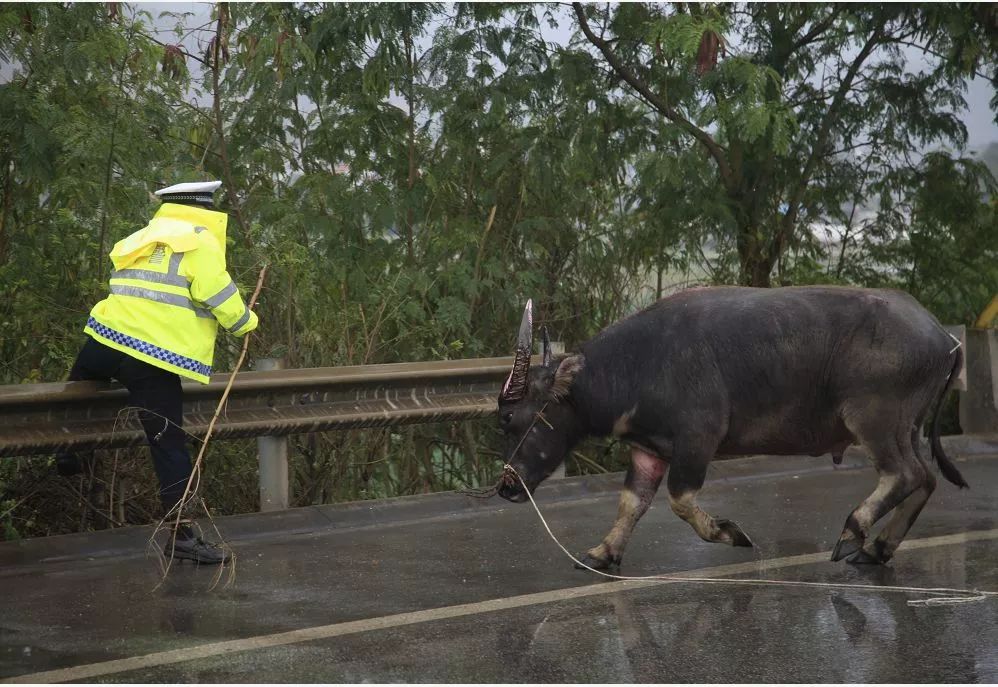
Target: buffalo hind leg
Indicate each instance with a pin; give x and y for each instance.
(899, 478)
(882, 549)
(686, 477)
(643, 478)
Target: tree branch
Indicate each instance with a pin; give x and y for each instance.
(816, 30)
(230, 187)
(108, 168)
(657, 102)
(821, 139)
(926, 49)
(5, 207)
(184, 50)
(852, 147)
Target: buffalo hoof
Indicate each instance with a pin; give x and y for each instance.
(733, 534)
(863, 557)
(846, 547)
(874, 553)
(608, 563)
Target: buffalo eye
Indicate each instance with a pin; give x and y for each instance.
(507, 417)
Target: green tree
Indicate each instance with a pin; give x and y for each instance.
(82, 122)
(413, 172)
(795, 104)
(934, 237)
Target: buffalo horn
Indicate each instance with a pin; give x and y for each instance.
(515, 387)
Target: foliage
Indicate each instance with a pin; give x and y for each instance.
(413, 172)
(808, 104)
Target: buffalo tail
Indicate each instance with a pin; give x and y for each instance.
(946, 466)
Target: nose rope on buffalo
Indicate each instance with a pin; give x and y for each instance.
(507, 474)
(942, 596)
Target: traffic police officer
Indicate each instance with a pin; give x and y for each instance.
(170, 292)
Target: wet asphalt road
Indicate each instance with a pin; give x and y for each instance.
(462, 580)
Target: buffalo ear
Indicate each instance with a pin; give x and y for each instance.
(565, 375)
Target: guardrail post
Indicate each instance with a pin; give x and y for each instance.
(558, 348)
(273, 456)
(979, 400)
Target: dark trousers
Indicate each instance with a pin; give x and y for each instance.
(155, 390)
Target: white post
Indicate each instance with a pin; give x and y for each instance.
(558, 348)
(273, 456)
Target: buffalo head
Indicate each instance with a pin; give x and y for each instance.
(536, 413)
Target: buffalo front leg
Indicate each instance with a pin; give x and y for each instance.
(686, 478)
(642, 481)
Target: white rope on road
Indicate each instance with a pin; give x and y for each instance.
(942, 596)
(147, 662)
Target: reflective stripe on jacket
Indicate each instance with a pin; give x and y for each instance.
(169, 293)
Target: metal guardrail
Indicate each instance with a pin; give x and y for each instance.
(46, 418)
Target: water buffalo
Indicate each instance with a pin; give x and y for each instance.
(736, 371)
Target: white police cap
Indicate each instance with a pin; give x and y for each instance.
(199, 192)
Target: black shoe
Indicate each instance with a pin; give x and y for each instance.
(185, 545)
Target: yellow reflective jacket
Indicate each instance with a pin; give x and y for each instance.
(170, 291)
